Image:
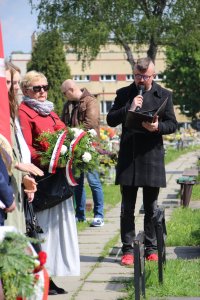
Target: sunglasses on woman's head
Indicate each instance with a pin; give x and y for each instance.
(38, 88)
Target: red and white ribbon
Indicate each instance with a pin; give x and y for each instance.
(56, 152)
(69, 173)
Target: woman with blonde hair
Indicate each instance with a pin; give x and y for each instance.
(58, 222)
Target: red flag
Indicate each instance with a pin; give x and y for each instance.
(5, 134)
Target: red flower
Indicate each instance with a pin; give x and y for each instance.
(36, 277)
(58, 127)
(45, 145)
(42, 257)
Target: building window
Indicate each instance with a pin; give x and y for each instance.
(129, 77)
(105, 106)
(81, 78)
(159, 77)
(108, 77)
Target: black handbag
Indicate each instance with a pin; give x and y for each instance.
(52, 189)
(32, 227)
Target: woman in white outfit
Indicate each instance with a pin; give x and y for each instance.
(58, 223)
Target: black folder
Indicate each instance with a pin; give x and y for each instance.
(134, 119)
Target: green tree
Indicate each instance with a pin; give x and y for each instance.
(183, 77)
(87, 25)
(48, 57)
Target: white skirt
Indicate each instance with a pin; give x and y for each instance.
(60, 239)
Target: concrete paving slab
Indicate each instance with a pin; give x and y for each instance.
(195, 204)
(112, 270)
(60, 297)
(91, 251)
(107, 277)
(88, 259)
(102, 286)
(98, 234)
(86, 295)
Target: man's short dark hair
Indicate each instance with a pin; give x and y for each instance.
(142, 64)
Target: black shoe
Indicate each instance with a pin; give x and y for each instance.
(54, 289)
(52, 292)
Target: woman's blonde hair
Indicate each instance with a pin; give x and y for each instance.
(30, 77)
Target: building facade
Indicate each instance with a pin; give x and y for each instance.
(103, 76)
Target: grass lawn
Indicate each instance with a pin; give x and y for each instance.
(183, 228)
(181, 277)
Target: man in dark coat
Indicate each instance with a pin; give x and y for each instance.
(141, 154)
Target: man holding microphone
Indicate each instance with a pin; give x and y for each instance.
(141, 154)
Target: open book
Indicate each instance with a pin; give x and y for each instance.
(134, 119)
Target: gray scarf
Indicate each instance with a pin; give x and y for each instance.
(43, 108)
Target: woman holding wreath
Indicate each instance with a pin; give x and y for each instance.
(58, 223)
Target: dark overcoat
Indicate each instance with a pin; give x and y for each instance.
(141, 154)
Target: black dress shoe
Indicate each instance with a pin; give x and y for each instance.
(54, 289)
(52, 292)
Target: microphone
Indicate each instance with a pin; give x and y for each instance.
(141, 89)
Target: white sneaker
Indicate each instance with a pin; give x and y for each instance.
(97, 222)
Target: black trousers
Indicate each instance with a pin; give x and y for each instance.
(127, 218)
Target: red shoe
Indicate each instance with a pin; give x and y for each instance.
(127, 260)
(152, 257)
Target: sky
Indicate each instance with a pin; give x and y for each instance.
(18, 24)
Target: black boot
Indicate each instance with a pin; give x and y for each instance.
(54, 289)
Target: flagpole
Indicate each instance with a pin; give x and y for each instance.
(5, 133)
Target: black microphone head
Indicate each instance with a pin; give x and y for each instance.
(141, 89)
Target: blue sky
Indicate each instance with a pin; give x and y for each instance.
(18, 24)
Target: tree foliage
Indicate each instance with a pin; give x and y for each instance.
(183, 77)
(48, 57)
(87, 25)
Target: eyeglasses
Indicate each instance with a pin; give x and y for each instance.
(38, 88)
(144, 77)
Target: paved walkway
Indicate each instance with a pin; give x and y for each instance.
(101, 278)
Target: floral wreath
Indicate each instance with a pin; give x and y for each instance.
(72, 148)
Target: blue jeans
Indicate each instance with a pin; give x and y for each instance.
(97, 194)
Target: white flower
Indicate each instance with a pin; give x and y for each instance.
(63, 150)
(92, 132)
(76, 131)
(86, 157)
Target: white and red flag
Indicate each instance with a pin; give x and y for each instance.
(5, 134)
